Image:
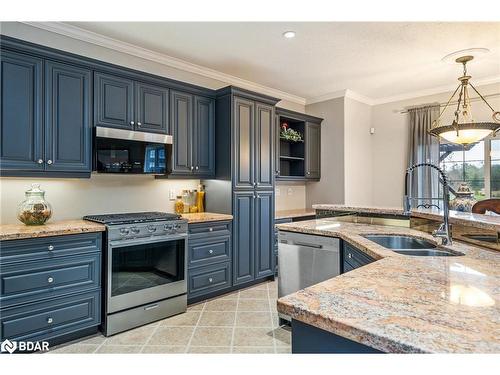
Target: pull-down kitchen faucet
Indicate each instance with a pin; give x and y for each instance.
(443, 231)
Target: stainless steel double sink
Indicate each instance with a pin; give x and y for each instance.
(407, 245)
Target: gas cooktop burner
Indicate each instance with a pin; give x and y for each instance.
(135, 217)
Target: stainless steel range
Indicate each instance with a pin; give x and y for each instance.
(145, 268)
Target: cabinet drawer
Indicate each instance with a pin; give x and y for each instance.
(209, 279)
(49, 247)
(209, 251)
(210, 227)
(24, 282)
(49, 319)
(356, 258)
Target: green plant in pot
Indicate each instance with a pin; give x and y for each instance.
(289, 134)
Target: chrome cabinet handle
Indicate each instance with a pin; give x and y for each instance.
(40, 161)
(50, 247)
(255, 184)
(151, 307)
(210, 251)
(49, 162)
(308, 173)
(210, 229)
(132, 123)
(210, 280)
(50, 280)
(192, 167)
(349, 255)
(139, 124)
(50, 320)
(197, 168)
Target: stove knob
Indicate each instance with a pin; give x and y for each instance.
(151, 228)
(135, 230)
(124, 231)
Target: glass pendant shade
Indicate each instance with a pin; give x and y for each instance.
(465, 136)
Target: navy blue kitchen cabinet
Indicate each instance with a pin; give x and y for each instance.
(264, 146)
(193, 129)
(50, 287)
(354, 258)
(21, 144)
(113, 101)
(127, 104)
(45, 133)
(68, 131)
(264, 234)
(244, 144)
(313, 151)
(209, 259)
(244, 236)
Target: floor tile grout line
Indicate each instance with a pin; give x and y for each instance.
(188, 346)
(231, 346)
(101, 345)
(150, 336)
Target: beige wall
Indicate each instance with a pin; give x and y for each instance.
(290, 196)
(73, 198)
(390, 142)
(331, 187)
(357, 153)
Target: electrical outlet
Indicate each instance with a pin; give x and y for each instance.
(171, 194)
(278, 192)
(289, 191)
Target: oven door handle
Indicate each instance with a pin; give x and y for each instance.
(142, 241)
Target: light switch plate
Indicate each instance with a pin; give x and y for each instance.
(171, 194)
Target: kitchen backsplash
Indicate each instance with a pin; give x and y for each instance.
(73, 198)
(290, 196)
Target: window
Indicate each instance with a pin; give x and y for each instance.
(478, 164)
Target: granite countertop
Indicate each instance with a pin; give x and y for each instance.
(56, 228)
(289, 214)
(462, 218)
(202, 217)
(404, 304)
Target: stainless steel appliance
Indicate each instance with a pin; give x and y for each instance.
(305, 260)
(145, 268)
(127, 151)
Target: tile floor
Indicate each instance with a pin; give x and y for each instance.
(245, 321)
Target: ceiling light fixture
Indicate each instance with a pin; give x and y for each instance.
(464, 130)
(289, 34)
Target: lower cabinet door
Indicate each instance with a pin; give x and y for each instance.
(243, 237)
(264, 234)
(50, 319)
(208, 279)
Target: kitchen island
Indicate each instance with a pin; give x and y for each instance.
(398, 303)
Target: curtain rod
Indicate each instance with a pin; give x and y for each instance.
(474, 99)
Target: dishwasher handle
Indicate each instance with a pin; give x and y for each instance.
(315, 246)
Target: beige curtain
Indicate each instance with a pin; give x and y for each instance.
(423, 148)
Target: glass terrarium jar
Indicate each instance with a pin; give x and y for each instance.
(34, 210)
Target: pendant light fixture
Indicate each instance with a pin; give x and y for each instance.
(464, 130)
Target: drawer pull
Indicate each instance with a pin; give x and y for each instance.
(210, 280)
(210, 251)
(151, 307)
(50, 320)
(349, 255)
(51, 247)
(210, 229)
(50, 280)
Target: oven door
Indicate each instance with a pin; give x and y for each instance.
(144, 271)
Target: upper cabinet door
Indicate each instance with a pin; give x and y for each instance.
(181, 121)
(204, 137)
(264, 139)
(68, 131)
(264, 234)
(244, 152)
(152, 108)
(313, 150)
(113, 101)
(21, 139)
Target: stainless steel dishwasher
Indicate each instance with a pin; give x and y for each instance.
(305, 260)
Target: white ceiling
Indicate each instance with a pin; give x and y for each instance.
(377, 60)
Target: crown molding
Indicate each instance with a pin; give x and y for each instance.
(433, 91)
(78, 33)
(347, 93)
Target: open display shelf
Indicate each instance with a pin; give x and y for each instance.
(292, 153)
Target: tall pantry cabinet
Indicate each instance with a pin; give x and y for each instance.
(245, 179)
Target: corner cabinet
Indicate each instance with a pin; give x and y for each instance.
(44, 133)
(193, 129)
(298, 160)
(127, 104)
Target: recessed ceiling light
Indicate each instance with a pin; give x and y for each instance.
(289, 34)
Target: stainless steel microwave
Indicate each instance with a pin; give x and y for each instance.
(131, 152)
